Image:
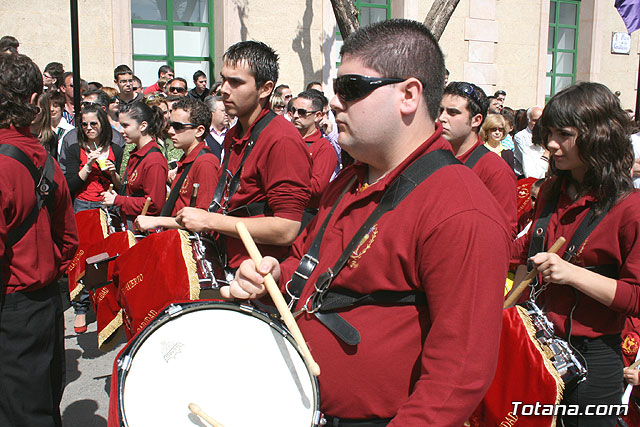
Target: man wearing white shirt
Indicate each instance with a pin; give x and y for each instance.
(530, 160)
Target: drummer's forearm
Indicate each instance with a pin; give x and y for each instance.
(271, 230)
(597, 286)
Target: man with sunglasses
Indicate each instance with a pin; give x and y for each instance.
(177, 87)
(266, 180)
(123, 78)
(464, 107)
(428, 360)
(188, 126)
(306, 114)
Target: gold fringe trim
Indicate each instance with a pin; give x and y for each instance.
(108, 330)
(75, 293)
(132, 239)
(103, 223)
(547, 362)
(190, 263)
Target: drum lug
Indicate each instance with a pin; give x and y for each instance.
(319, 419)
(174, 310)
(125, 363)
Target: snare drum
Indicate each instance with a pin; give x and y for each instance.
(240, 366)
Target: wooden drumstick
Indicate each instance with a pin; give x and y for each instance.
(195, 409)
(194, 195)
(277, 298)
(110, 188)
(515, 294)
(147, 203)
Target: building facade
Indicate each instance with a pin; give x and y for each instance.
(529, 48)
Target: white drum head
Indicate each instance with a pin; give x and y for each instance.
(240, 370)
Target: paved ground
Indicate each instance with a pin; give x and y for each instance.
(85, 402)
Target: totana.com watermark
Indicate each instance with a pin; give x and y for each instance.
(522, 409)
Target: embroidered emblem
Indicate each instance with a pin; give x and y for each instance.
(363, 247)
(170, 350)
(133, 178)
(185, 185)
(630, 345)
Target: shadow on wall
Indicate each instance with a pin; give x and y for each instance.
(302, 45)
(241, 7)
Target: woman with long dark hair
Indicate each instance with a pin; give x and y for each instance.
(146, 172)
(594, 284)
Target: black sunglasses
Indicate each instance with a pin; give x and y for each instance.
(177, 89)
(93, 125)
(301, 112)
(178, 126)
(469, 90)
(351, 87)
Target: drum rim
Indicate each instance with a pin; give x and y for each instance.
(175, 310)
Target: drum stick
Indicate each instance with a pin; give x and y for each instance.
(110, 188)
(147, 203)
(277, 298)
(515, 294)
(194, 195)
(195, 409)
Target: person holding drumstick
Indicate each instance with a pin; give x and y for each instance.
(188, 127)
(426, 361)
(588, 295)
(146, 172)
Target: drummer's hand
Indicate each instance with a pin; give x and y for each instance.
(108, 197)
(553, 268)
(632, 376)
(145, 223)
(249, 282)
(194, 219)
(172, 175)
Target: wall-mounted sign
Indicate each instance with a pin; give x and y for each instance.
(620, 43)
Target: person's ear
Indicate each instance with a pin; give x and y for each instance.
(265, 90)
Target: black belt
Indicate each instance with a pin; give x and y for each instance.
(582, 343)
(347, 422)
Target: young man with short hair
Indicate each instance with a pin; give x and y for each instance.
(164, 72)
(188, 125)
(306, 114)
(66, 87)
(176, 87)
(272, 187)
(200, 90)
(464, 107)
(123, 78)
(428, 362)
(31, 316)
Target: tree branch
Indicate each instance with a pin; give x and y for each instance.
(346, 16)
(439, 15)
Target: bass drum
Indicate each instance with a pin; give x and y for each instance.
(239, 365)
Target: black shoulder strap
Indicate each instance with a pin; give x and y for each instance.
(175, 191)
(44, 186)
(125, 181)
(234, 183)
(477, 154)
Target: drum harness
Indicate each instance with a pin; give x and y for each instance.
(175, 191)
(588, 224)
(324, 301)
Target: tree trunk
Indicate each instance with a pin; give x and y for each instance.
(439, 15)
(346, 16)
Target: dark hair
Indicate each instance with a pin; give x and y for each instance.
(141, 112)
(55, 70)
(9, 42)
(260, 58)
(279, 88)
(499, 92)
(164, 69)
(315, 97)
(508, 115)
(180, 79)
(401, 48)
(603, 139)
(121, 70)
(490, 97)
(41, 126)
(56, 98)
(101, 97)
(198, 74)
(215, 88)
(104, 138)
(520, 121)
(19, 79)
(96, 86)
(310, 85)
(199, 113)
(63, 81)
(477, 101)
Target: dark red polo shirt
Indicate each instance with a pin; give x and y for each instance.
(425, 365)
(45, 251)
(323, 163)
(205, 171)
(615, 241)
(146, 177)
(278, 170)
(500, 180)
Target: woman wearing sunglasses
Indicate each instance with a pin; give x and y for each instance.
(492, 133)
(91, 167)
(593, 283)
(146, 172)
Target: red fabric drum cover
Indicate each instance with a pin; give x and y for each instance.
(524, 195)
(523, 374)
(158, 270)
(92, 229)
